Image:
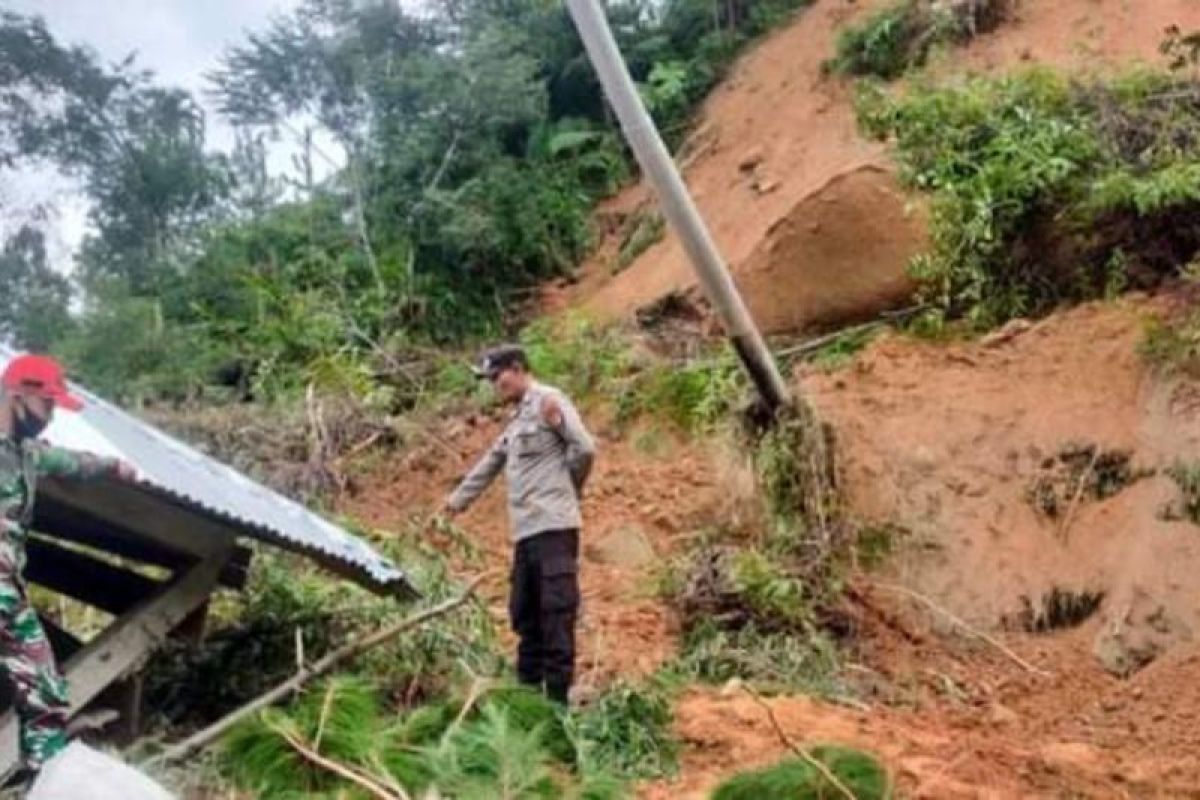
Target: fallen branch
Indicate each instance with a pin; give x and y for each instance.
(341, 770)
(479, 687)
(804, 755)
(812, 345)
(314, 670)
(815, 344)
(957, 621)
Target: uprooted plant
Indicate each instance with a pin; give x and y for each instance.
(490, 740)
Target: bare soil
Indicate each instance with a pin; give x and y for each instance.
(809, 215)
(947, 442)
(927, 433)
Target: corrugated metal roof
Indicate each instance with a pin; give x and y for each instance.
(188, 478)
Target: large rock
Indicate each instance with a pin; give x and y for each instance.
(840, 255)
(627, 548)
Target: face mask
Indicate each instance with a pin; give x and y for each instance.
(26, 424)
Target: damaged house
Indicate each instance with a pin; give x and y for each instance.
(188, 516)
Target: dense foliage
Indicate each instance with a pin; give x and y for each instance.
(1047, 190)
(448, 161)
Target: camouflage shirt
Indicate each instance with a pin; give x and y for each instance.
(21, 464)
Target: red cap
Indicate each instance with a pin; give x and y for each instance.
(43, 376)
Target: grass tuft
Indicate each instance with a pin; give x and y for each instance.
(797, 779)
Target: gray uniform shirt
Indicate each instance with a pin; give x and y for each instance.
(545, 466)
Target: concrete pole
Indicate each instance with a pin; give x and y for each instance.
(677, 204)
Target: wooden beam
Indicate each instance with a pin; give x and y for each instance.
(132, 637)
(60, 520)
(191, 630)
(63, 521)
(86, 579)
(125, 643)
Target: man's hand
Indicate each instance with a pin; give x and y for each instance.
(126, 471)
(552, 412)
(449, 509)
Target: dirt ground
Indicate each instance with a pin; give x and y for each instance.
(648, 494)
(951, 444)
(926, 434)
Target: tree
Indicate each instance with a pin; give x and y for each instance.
(34, 305)
(47, 90)
(152, 186)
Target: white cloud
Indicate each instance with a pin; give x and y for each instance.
(180, 40)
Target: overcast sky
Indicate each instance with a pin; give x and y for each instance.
(179, 40)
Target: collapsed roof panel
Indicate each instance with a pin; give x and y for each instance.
(180, 475)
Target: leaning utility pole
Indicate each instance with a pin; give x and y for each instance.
(677, 204)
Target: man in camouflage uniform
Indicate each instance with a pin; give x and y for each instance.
(30, 389)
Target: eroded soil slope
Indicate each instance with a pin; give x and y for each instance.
(808, 214)
(1032, 462)
(942, 441)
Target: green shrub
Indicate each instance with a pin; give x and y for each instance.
(510, 743)
(253, 642)
(797, 477)
(342, 716)
(576, 355)
(493, 756)
(901, 36)
(1045, 191)
(1172, 345)
(694, 396)
(797, 779)
(842, 350)
(768, 588)
(771, 613)
(627, 731)
(773, 661)
(591, 362)
(884, 45)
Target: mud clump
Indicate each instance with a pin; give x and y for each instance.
(1081, 471)
(1144, 629)
(1187, 478)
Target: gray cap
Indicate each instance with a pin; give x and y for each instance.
(497, 359)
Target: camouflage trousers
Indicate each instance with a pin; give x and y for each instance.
(39, 690)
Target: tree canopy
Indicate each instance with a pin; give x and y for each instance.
(470, 142)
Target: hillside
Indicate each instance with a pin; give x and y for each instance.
(807, 212)
(976, 560)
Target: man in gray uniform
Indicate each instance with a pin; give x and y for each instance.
(546, 454)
